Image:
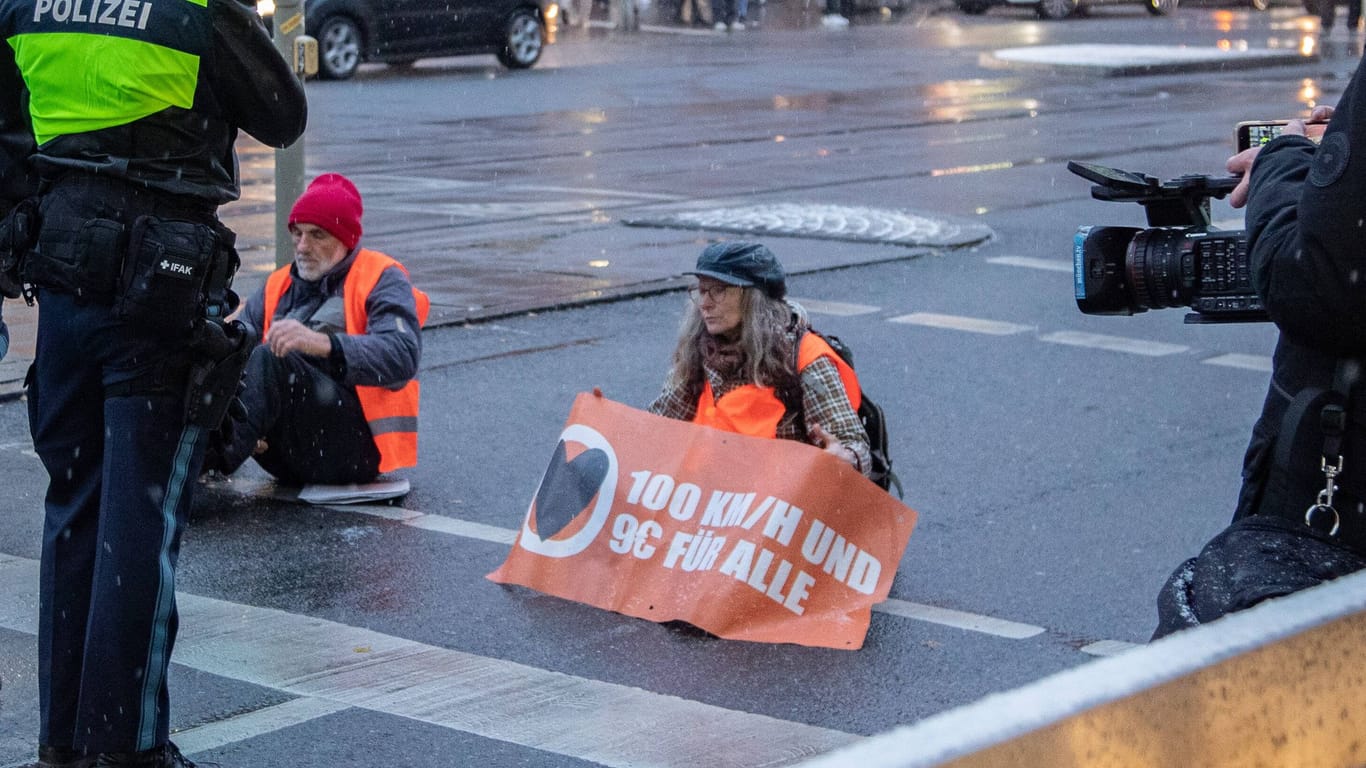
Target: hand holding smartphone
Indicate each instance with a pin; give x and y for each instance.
(1255, 133)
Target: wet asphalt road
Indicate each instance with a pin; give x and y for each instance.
(1062, 464)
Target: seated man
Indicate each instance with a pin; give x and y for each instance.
(331, 393)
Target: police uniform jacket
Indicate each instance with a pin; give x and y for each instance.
(155, 95)
(17, 177)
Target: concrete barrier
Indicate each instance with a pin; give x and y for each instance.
(1282, 684)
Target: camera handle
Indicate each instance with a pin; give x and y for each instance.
(1180, 202)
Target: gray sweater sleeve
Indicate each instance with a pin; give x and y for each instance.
(254, 311)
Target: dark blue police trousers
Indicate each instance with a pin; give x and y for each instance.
(106, 410)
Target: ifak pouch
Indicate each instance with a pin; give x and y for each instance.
(161, 288)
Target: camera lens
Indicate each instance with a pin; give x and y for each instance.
(1100, 270)
(1161, 267)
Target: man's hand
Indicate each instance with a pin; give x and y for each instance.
(287, 336)
(1241, 163)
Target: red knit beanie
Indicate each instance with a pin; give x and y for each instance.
(333, 203)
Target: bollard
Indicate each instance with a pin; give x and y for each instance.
(291, 42)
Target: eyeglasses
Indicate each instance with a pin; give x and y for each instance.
(715, 292)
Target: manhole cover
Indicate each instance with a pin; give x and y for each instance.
(833, 222)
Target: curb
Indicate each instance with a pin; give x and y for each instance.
(1137, 60)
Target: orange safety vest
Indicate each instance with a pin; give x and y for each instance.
(391, 414)
(754, 410)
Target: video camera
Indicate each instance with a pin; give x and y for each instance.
(1180, 260)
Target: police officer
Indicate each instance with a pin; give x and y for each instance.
(1300, 518)
(134, 106)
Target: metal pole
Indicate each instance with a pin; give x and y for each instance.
(289, 162)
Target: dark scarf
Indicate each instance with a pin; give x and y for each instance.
(722, 355)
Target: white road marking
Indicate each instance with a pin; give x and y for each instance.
(1237, 360)
(252, 724)
(606, 723)
(958, 323)
(507, 536)
(464, 528)
(1049, 265)
(835, 308)
(1108, 647)
(1113, 343)
(928, 613)
(948, 617)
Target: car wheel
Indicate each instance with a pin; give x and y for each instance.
(339, 47)
(973, 7)
(523, 40)
(1161, 7)
(1057, 9)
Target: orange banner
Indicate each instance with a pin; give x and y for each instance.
(750, 539)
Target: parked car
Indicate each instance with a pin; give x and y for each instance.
(350, 32)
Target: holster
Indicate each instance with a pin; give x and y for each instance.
(18, 236)
(220, 352)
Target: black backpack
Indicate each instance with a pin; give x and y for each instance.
(869, 412)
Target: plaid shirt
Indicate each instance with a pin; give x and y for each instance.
(823, 397)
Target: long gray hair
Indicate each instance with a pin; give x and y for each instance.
(764, 344)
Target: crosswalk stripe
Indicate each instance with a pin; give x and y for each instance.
(253, 724)
(1238, 360)
(1113, 343)
(835, 308)
(958, 323)
(606, 723)
(1048, 265)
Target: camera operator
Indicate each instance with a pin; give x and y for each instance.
(133, 112)
(1300, 519)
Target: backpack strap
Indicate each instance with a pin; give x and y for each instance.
(790, 392)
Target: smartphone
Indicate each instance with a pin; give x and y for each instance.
(1255, 133)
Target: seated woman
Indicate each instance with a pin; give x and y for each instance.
(746, 363)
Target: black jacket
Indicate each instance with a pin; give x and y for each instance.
(1306, 219)
(18, 180)
(243, 83)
